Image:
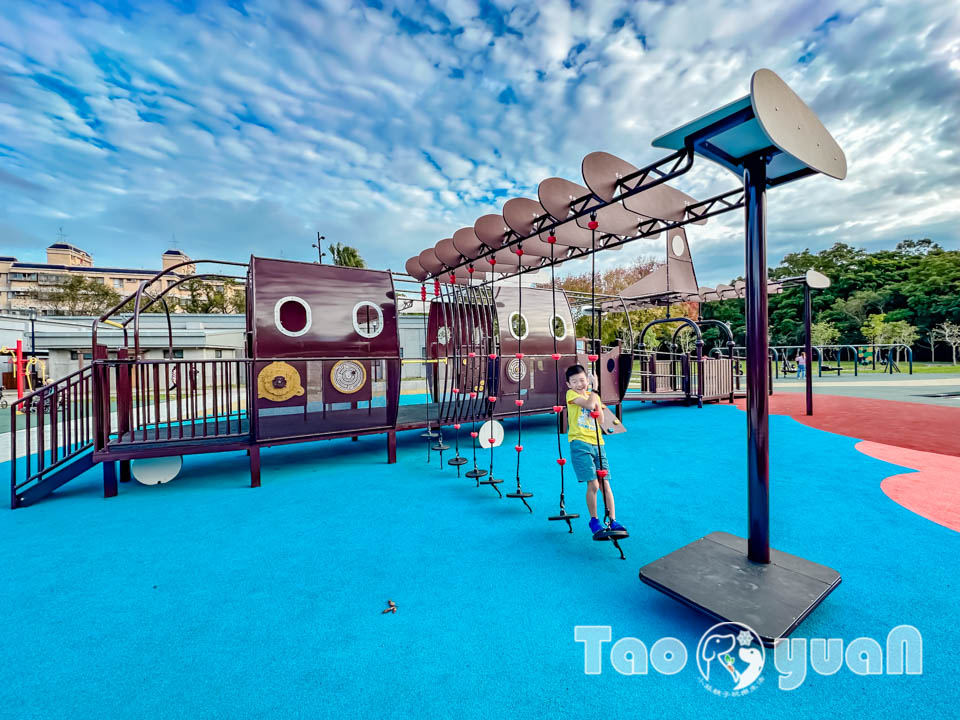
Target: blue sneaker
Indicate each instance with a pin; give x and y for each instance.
(595, 526)
(614, 525)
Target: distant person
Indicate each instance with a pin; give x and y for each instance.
(586, 444)
(801, 365)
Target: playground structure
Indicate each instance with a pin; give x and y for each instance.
(323, 354)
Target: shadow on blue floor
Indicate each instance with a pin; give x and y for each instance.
(205, 598)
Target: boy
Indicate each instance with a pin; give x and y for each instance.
(585, 454)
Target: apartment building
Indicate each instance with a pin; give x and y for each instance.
(24, 285)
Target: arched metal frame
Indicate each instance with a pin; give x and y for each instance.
(687, 323)
(730, 344)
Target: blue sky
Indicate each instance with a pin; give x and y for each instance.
(245, 127)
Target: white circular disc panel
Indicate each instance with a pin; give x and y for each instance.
(491, 427)
(155, 471)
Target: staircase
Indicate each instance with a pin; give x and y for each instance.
(59, 437)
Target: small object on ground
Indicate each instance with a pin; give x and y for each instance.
(391, 607)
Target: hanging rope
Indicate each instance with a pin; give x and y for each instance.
(474, 409)
(426, 368)
(602, 473)
(521, 329)
(439, 446)
(558, 407)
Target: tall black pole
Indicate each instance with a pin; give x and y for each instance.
(758, 461)
(808, 346)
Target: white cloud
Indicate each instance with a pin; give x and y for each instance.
(353, 100)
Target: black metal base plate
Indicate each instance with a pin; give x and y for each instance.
(458, 460)
(491, 481)
(519, 494)
(429, 434)
(441, 447)
(715, 576)
(476, 473)
(563, 517)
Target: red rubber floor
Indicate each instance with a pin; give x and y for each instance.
(917, 426)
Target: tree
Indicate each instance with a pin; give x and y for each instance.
(875, 329)
(903, 333)
(823, 333)
(78, 295)
(204, 297)
(346, 256)
(860, 304)
(950, 333)
(236, 297)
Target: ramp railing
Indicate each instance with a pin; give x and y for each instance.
(58, 421)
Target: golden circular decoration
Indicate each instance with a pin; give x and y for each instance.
(279, 381)
(348, 376)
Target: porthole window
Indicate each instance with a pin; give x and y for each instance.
(518, 326)
(367, 319)
(559, 327)
(678, 245)
(292, 316)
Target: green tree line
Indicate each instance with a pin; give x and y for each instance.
(909, 294)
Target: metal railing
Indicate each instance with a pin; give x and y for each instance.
(59, 420)
(162, 401)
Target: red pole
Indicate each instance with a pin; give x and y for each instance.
(19, 369)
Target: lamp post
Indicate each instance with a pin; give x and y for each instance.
(811, 279)
(319, 246)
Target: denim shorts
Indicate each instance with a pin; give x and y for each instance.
(587, 459)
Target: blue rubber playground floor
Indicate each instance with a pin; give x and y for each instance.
(204, 598)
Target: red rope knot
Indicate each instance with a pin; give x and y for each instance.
(602, 473)
(594, 414)
(423, 292)
(453, 278)
(593, 224)
(519, 250)
(436, 288)
(558, 409)
(492, 398)
(471, 354)
(551, 238)
(518, 403)
(474, 434)
(492, 260)
(519, 356)
(470, 269)
(455, 391)
(556, 356)
(593, 358)
(473, 395)
(518, 448)
(456, 426)
(491, 440)
(492, 356)
(561, 462)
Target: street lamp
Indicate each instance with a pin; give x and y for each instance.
(319, 246)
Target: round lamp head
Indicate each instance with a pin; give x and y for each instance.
(817, 280)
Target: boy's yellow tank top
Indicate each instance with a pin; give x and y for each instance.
(579, 423)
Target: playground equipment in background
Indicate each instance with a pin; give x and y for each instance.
(856, 355)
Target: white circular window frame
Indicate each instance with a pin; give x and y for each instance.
(678, 245)
(276, 315)
(356, 325)
(526, 325)
(553, 329)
